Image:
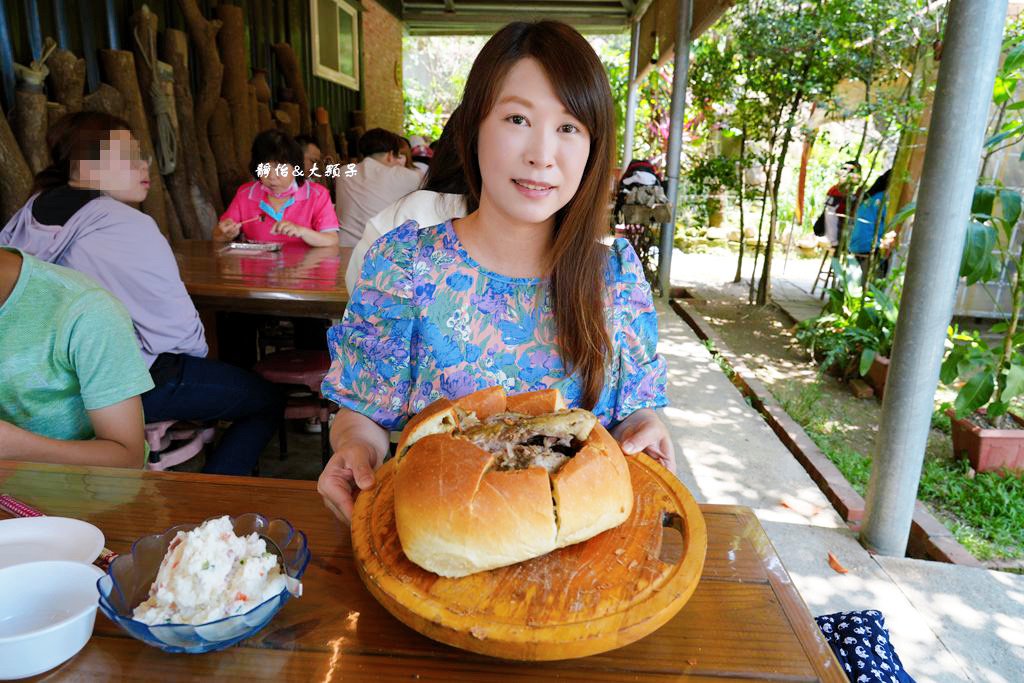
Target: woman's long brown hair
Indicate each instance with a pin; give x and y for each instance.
(577, 262)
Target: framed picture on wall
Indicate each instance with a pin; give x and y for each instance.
(335, 29)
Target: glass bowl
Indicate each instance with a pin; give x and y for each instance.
(129, 578)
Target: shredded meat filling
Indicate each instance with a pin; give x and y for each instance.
(521, 441)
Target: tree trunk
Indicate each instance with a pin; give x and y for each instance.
(105, 99)
(289, 66)
(29, 126)
(144, 24)
(211, 73)
(743, 235)
(230, 175)
(205, 201)
(119, 69)
(16, 180)
(67, 79)
(55, 111)
(235, 88)
(294, 113)
(764, 285)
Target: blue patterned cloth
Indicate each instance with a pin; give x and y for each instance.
(426, 321)
(861, 643)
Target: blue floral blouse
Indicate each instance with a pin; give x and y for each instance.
(426, 321)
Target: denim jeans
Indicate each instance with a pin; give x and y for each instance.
(190, 388)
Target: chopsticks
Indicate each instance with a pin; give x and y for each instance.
(19, 509)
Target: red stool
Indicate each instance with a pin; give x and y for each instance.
(305, 370)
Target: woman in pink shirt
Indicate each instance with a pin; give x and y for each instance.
(279, 206)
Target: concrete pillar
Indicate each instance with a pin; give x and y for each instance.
(684, 20)
(970, 56)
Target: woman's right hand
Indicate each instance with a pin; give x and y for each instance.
(349, 470)
(226, 230)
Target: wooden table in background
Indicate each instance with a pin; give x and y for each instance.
(297, 281)
(745, 621)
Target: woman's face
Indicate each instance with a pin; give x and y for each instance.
(120, 172)
(278, 181)
(531, 150)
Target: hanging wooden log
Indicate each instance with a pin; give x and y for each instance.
(106, 99)
(158, 103)
(236, 77)
(254, 118)
(206, 202)
(288, 63)
(30, 125)
(259, 81)
(16, 180)
(211, 73)
(55, 111)
(324, 136)
(264, 117)
(119, 70)
(222, 140)
(291, 124)
(67, 79)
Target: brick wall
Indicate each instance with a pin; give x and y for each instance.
(382, 68)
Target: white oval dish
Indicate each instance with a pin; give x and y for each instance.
(47, 612)
(34, 539)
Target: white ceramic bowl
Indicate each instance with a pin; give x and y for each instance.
(47, 611)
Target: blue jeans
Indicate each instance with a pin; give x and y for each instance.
(190, 388)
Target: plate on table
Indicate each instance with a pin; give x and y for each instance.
(31, 539)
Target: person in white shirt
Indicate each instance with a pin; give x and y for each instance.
(426, 207)
(445, 195)
(379, 180)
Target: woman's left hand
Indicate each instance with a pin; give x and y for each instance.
(644, 431)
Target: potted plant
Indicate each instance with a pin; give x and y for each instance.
(989, 375)
(853, 335)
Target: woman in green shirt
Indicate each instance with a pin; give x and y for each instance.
(70, 373)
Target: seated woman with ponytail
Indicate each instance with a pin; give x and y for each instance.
(521, 292)
(79, 217)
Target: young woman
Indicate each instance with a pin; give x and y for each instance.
(72, 372)
(279, 205)
(80, 218)
(521, 292)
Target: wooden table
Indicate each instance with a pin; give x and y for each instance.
(297, 281)
(745, 620)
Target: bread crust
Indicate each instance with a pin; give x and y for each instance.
(456, 515)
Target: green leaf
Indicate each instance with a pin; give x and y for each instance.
(949, 371)
(978, 263)
(1000, 327)
(997, 408)
(866, 357)
(974, 394)
(1014, 59)
(1015, 106)
(1014, 383)
(984, 198)
(903, 214)
(1011, 203)
(1008, 131)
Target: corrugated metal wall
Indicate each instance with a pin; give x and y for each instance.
(267, 22)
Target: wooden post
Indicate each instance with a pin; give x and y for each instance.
(55, 111)
(67, 78)
(29, 125)
(222, 140)
(144, 26)
(119, 70)
(16, 180)
(236, 78)
(211, 74)
(288, 63)
(206, 199)
(106, 99)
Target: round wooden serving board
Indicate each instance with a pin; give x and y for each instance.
(587, 598)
